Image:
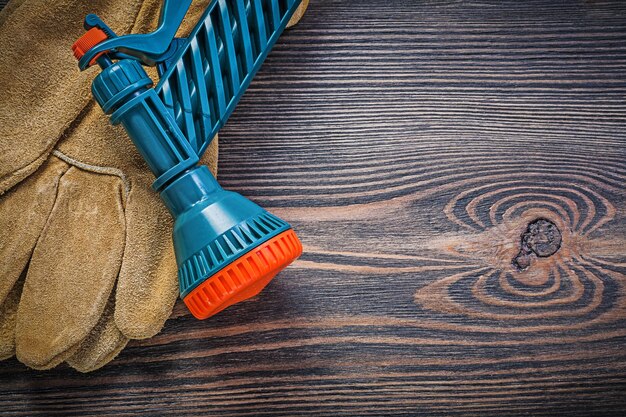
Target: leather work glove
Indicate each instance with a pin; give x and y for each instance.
(87, 258)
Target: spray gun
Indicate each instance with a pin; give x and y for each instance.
(227, 247)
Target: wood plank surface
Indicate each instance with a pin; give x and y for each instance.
(411, 144)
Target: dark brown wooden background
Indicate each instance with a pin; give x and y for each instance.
(410, 143)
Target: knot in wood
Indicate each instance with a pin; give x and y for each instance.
(542, 238)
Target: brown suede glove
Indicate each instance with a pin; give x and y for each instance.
(86, 254)
(86, 258)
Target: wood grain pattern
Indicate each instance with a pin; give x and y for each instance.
(410, 144)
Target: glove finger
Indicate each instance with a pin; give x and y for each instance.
(102, 345)
(72, 270)
(148, 285)
(297, 15)
(8, 313)
(23, 214)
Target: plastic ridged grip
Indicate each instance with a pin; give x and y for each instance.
(117, 82)
(222, 54)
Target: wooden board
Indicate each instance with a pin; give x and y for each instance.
(410, 144)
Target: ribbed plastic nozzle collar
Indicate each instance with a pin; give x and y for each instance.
(118, 82)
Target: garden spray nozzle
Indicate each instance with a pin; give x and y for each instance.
(227, 247)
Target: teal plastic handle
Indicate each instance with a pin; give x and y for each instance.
(203, 76)
(149, 48)
(202, 84)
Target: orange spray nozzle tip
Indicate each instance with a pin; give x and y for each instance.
(245, 277)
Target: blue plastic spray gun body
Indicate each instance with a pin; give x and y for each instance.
(227, 247)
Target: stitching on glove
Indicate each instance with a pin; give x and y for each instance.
(95, 168)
